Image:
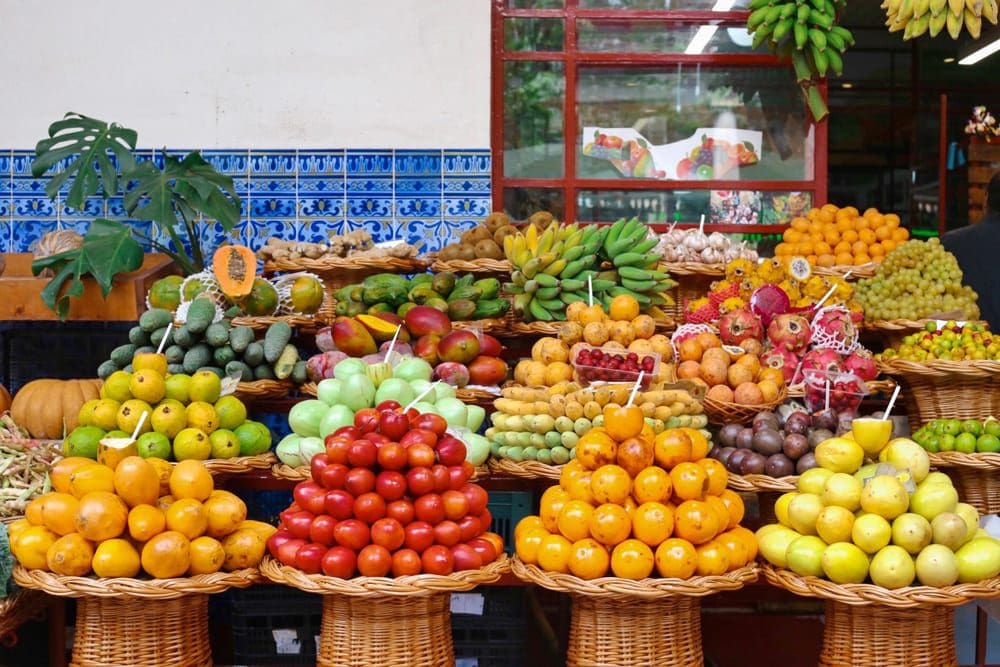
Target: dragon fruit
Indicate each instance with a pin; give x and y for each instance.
(789, 332)
(861, 363)
(785, 361)
(822, 359)
(834, 328)
(739, 325)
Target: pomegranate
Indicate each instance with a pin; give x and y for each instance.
(785, 361)
(861, 363)
(739, 325)
(789, 332)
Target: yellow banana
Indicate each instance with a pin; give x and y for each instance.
(531, 237)
(545, 241)
(920, 8)
(974, 6)
(905, 10)
(990, 11)
(957, 7)
(954, 24)
(973, 24)
(937, 6)
(919, 25)
(937, 23)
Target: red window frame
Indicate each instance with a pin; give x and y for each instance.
(572, 59)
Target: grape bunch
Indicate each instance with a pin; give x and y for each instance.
(915, 281)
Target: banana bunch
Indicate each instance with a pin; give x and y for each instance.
(916, 17)
(552, 269)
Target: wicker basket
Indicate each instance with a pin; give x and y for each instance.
(719, 412)
(946, 389)
(892, 332)
(18, 608)
(646, 623)
(839, 271)
(136, 622)
(339, 271)
(387, 622)
(306, 324)
(870, 626)
(694, 280)
(525, 469)
(762, 483)
(304, 473)
(478, 396)
(491, 267)
(873, 387)
(976, 477)
(263, 389)
(240, 464)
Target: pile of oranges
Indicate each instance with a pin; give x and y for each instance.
(143, 515)
(832, 236)
(631, 503)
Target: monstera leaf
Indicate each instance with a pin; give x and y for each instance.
(94, 144)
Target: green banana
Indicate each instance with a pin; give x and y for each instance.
(836, 63)
(803, 13)
(781, 29)
(757, 17)
(635, 259)
(572, 284)
(801, 35)
(520, 304)
(834, 41)
(518, 278)
(512, 288)
(818, 38)
(844, 34)
(547, 292)
(538, 312)
(574, 268)
(634, 273)
(820, 19)
(545, 280)
(551, 305)
(574, 253)
(555, 268)
(639, 285)
(531, 287)
(819, 60)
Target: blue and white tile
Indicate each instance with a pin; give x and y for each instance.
(93, 207)
(365, 163)
(321, 163)
(319, 230)
(5, 208)
(33, 206)
(471, 185)
(427, 234)
(418, 207)
(420, 186)
(277, 162)
(330, 185)
(268, 206)
(5, 244)
(417, 163)
(369, 207)
(264, 184)
(230, 162)
(372, 185)
(143, 231)
(26, 233)
(467, 162)
(457, 207)
(78, 225)
(114, 208)
(321, 207)
(255, 232)
(453, 228)
(381, 229)
(211, 235)
(27, 185)
(20, 165)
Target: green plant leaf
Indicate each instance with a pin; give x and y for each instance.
(94, 143)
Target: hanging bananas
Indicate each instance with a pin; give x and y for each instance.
(552, 269)
(916, 17)
(806, 32)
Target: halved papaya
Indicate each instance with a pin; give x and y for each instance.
(235, 267)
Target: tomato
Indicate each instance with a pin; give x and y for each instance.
(418, 455)
(339, 562)
(299, 523)
(470, 526)
(476, 497)
(287, 551)
(336, 449)
(405, 562)
(388, 533)
(419, 481)
(316, 466)
(309, 496)
(390, 484)
(374, 561)
(442, 479)
(457, 477)
(451, 451)
(392, 456)
(437, 560)
(401, 510)
(495, 540)
(455, 505)
(390, 405)
(394, 425)
(412, 414)
(447, 533)
(466, 558)
(362, 454)
(309, 557)
(339, 504)
(486, 518)
(431, 422)
(486, 550)
(377, 439)
(419, 435)
(276, 540)
(366, 420)
(334, 475)
(369, 507)
(352, 533)
(419, 536)
(350, 432)
(359, 480)
(321, 530)
(429, 508)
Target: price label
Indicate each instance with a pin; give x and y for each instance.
(467, 603)
(286, 642)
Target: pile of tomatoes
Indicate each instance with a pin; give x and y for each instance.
(390, 496)
(631, 503)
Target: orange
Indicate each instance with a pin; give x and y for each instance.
(63, 469)
(163, 470)
(207, 556)
(734, 505)
(676, 558)
(867, 236)
(652, 484)
(629, 506)
(632, 560)
(167, 555)
(822, 248)
(225, 511)
(33, 512)
(849, 236)
(900, 234)
(145, 521)
(717, 475)
(164, 502)
(622, 423)
(572, 469)
(16, 527)
(891, 220)
(888, 245)
(689, 480)
(588, 559)
(859, 248)
(781, 249)
(720, 509)
(552, 502)
(596, 448)
(712, 559)
(70, 556)
(670, 448)
(845, 259)
(136, 481)
(101, 516)
(188, 517)
(826, 260)
(553, 553)
(749, 541)
(574, 520)
(842, 247)
(812, 258)
(736, 548)
(87, 479)
(861, 224)
(529, 522)
(116, 558)
(699, 443)
(592, 314)
(59, 512)
(772, 374)
(526, 547)
(579, 488)
(876, 251)
(31, 547)
(805, 247)
(610, 524)
(695, 521)
(883, 232)
(652, 523)
(861, 259)
(800, 223)
(191, 479)
(610, 484)
(624, 308)
(844, 225)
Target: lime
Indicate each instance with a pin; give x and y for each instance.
(992, 427)
(988, 443)
(952, 427)
(966, 443)
(192, 443)
(83, 441)
(225, 444)
(946, 442)
(931, 443)
(153, 445)
(937, 426)
(973, 426)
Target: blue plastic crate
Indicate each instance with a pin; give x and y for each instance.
(507, 508)
(265, 505)
(495, 638)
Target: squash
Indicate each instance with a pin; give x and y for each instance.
(4, 399)
(235, 267)
(48, 409)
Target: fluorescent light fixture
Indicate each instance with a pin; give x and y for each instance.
(949, 60)
(847, 85)
(700, 40)
(723, 5)
(981, 53)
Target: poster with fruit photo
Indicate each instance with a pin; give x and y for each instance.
(734, 207)
(778, 208)
(711, 153)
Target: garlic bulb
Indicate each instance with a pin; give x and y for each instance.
(711, 255)
(731, 254)
(718, 241)
(696, 241)
(675, 237)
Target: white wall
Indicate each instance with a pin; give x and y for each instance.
(252, 73)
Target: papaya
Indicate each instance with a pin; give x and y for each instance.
(235, 268)
(165, 293)
(262, 301)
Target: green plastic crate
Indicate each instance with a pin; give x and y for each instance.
(507, 508)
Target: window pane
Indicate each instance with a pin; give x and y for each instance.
(693, 122)
(533, 119)
(534, 4)
(648, 205)
(626, 36)
(533, 34)
(686, 5)
(520, 203)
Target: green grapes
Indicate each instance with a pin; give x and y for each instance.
(917, 280)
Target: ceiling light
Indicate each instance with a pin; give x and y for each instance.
(700, 40)
(949, 60)
(981, 53)
(723, 5)
(847, 85)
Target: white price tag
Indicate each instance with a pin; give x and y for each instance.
(286, 642)
(467, 662)
(467, 603)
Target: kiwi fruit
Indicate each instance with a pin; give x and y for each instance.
(466, 237)
(488, 249)
(541, 219)
(449, 252)
(495, 221)
(479, 233)
(502, 233)
(466, 251)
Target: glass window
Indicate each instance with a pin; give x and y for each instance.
(654, 206)
(642, 36)
(521, 34)
(534, 4)
(683, 5)
(520, 203)
(533, 119)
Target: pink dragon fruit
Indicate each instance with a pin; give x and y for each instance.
(824, 360)
(861, 363)
(785, 361)
(834, 328)
(789, 332)
(738, 325)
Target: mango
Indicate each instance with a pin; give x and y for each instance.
(352, 338)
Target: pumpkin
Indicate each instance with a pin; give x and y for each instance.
(48, 409)
(4, 399)
(235, 267)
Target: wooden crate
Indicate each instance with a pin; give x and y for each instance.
(984, 161)
(127, 300)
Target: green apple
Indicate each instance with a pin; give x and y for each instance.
(335, 417)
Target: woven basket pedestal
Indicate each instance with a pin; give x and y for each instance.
(631, 632)
(980, 487)
(388, 631)
(142, 632)
(880, 636)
